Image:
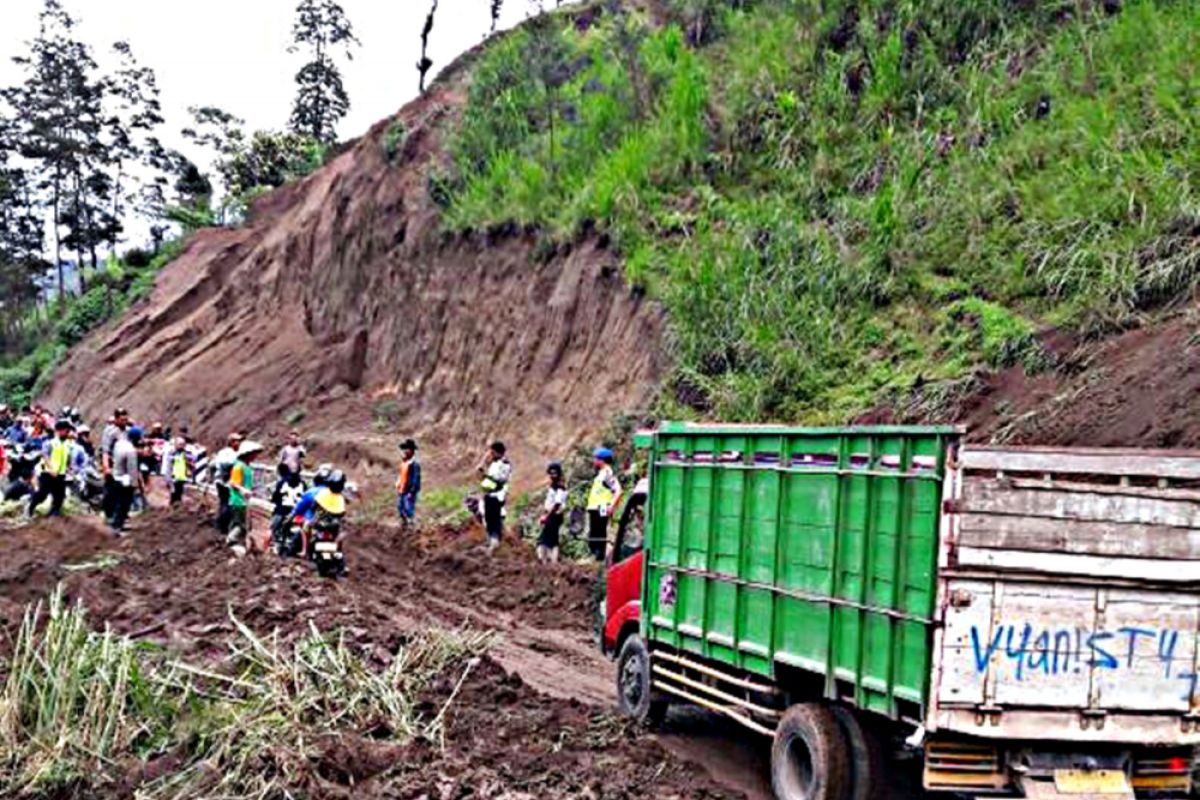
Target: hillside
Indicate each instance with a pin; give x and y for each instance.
(342, 306)
(862, 209)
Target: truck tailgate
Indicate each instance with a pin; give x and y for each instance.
(1068, 596)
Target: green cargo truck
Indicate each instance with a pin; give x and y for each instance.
(1026, 617)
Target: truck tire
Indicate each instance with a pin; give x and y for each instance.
(635, 697)
(809, 758)
(867, 757)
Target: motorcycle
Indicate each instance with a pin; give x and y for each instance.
(325, 547)
(89, 488)
(21, 473)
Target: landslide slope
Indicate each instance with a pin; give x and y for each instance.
(340, 300)
(853, 209)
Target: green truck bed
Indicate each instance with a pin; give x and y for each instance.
(805, 550)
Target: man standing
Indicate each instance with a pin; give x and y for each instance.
(114, 432)
(56, 462)
(127, 477)
(497, 472)
(293, 453)
(222, 467)
(408, 483)
(241, 487)
(602, 501)
(180, 471)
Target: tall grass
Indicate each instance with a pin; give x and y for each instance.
(837, 200)
(81, 709)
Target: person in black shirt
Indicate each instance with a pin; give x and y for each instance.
(289, 488)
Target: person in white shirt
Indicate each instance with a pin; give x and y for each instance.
(293, 453)
(553, 512)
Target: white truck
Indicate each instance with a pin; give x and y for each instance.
(1065, 654)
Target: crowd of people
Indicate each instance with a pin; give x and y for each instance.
(43, 457)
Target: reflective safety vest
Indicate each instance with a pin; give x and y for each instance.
(179, 467)
(601, 496)
(59, 459)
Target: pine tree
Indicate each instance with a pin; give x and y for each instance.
(58, 123)
(321, 28)
(21, 240)
(136, 113)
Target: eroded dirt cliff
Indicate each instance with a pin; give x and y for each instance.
(342, 302)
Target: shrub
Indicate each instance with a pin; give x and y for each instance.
(832, 200)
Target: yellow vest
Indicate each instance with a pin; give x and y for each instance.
(600, 495)
(60, 457)
(179, 467)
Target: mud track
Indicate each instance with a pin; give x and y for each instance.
(534, 721)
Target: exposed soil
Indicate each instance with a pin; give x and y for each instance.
(341, 303)
(1140, 388)
(533, 720)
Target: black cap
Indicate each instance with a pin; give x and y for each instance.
(121, 412)
(408, 444)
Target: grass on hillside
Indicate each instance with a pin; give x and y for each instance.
(80, 710)
(111, 291)
(836, 204)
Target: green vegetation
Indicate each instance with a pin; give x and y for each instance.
(838, 201)
(81, 710)
(50, 332)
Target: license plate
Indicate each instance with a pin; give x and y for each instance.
(1098, 781)
(326, 547)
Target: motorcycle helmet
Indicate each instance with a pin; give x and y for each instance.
(332, 503)
(336, 482)
(321, 477)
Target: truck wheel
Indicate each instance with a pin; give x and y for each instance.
(635, 697)
(868, 758)
(808, 758)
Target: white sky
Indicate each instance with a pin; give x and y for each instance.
(233, 53)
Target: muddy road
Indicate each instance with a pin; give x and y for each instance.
(536, 720)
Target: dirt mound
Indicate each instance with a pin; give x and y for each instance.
(1136, 389)
(341, 302)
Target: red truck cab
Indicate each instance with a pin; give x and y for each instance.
(623, 597)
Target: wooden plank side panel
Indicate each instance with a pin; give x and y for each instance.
(1078, 461)
(1150, 569)
(983, 496)
(1150, 642)
(1077, 537)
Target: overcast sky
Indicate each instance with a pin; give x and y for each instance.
(233, 53)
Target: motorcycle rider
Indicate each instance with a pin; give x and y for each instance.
(83, 440)
(327, 501)
(288, 491)
(56, 463)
